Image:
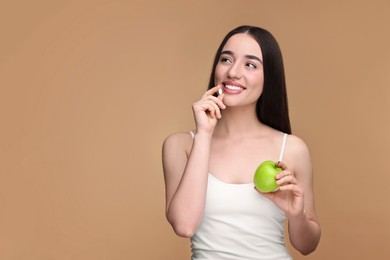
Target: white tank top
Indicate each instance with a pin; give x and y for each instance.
(239, 223)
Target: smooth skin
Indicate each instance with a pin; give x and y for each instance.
(230, 143)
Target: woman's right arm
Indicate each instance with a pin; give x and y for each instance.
(185, 182)
(186, 175)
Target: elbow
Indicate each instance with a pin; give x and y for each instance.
(307, 252)
(182, 229)
(308, 242)
(309, 249)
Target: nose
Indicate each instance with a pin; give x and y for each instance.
(235, 71)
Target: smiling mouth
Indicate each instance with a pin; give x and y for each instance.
(232, 89)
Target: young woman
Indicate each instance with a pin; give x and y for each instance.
(241, 121)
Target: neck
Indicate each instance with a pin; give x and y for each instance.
(239, 122)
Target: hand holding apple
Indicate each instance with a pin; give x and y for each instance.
(288, 194)
(264, 177)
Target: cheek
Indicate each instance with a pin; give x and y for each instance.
(218, 73)
(257, 84)
(257, 80)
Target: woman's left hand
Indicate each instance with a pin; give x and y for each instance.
(289, 196)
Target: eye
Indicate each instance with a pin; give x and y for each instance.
(251, 65)
(225, 60)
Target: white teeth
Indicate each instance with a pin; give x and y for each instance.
(231, 87)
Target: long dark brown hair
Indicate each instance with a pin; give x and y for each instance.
(272, 106)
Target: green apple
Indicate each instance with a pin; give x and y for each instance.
(264, 178)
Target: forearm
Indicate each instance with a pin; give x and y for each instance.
(304, 233)
(186, 207)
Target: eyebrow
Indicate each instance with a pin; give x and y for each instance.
(252, 57)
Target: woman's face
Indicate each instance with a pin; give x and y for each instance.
(240, 70)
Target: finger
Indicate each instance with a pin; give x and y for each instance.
(220, 98)
(213, 110)
(212, 90)
(218, 113)
(287, 180)
(220, 106)
(284, 173)
(217, 100)
(212, 113)
(281, 165)
(291, 187)
(212, 106)
(205, 105)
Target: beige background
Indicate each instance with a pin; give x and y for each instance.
(90, 89)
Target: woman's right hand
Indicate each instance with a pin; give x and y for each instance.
(207, 110)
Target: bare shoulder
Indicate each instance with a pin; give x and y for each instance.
(177, 143)
(297, 153)
(297, 146)
(175, 153)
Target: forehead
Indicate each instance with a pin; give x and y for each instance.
(243, 44)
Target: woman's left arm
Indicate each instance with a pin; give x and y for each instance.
(296, 198)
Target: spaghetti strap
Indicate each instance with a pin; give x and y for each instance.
(283, 147)
(192, 134)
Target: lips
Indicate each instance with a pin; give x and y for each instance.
(232, 88)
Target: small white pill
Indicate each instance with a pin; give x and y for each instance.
(220, 91)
